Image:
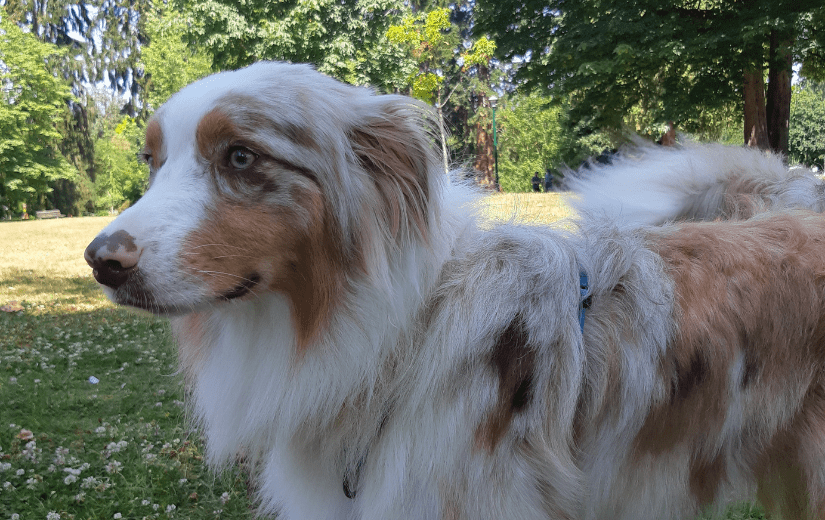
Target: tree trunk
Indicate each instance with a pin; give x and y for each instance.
(443, 134)
(485, 158)
(756, 125)
(485, 162)
(779, 90)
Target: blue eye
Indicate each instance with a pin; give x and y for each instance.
(241, 158)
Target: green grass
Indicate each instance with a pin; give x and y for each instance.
(71, 449)
(121, 448)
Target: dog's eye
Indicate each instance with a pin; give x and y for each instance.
(147, 158)
(240, 158)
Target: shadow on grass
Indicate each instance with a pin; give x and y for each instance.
(49, 294)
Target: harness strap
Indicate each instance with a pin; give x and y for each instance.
(586, 298)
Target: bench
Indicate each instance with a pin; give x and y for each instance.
(48, 213)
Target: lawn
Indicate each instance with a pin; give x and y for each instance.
(92, 423)
(92, 420)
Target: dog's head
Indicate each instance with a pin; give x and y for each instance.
(272, 178)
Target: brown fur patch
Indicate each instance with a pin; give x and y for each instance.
(514, 364)
(113, 242)
(154, 144)
(751, 293)
(218, 135)
(293, 250)
(214, 133)
(397, 158)
(251, 117)
(789, 468)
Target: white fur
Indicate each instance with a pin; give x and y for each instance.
(403, 379)
(648, 184)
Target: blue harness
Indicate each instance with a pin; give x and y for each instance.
(586, 298)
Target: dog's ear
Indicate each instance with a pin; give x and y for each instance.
(396, 150)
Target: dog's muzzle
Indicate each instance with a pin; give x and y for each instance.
(113, 258)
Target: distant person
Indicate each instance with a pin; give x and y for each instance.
(548, 181)
(536, 182)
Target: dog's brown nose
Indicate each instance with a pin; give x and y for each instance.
(113, 258)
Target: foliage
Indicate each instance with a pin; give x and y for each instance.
(169, 64)
(807, 125)
(452, 72)
(428, 39)
(32, 100)
(102, 39)
(122, 178)
(670, 59)
(531, 139)
(345, 39)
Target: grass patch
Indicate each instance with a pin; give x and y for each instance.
(73, 449)
(120, 447)
(532, 208)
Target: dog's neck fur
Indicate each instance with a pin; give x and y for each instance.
(322, 401)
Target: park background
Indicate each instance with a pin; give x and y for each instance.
(572, 79)
(92, 417)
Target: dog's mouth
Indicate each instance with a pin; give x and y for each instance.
(135, 294)
(243, 288)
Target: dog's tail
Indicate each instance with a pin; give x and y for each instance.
(650, 184)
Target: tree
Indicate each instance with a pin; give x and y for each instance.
(807, 132)
(531, 138)
(442, 66)
(122, 178)
(169, 64)
(102, 39)
(33, 99)
(345, 39)
(675, 57)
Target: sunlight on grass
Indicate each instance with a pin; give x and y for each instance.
(530, 208)
(41, 263)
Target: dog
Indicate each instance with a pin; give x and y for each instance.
(350, 327)
(650, 184)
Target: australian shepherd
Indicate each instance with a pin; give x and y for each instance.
(349, 326)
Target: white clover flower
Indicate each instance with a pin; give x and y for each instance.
(224, 497)
(14, 516)
(70, 479)
(89, 482)
(117, 516)
(20, 472)
(80, 497)
(145, 502)
(5, 466)
(170, 508)
(53, 516)
(113, 467)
